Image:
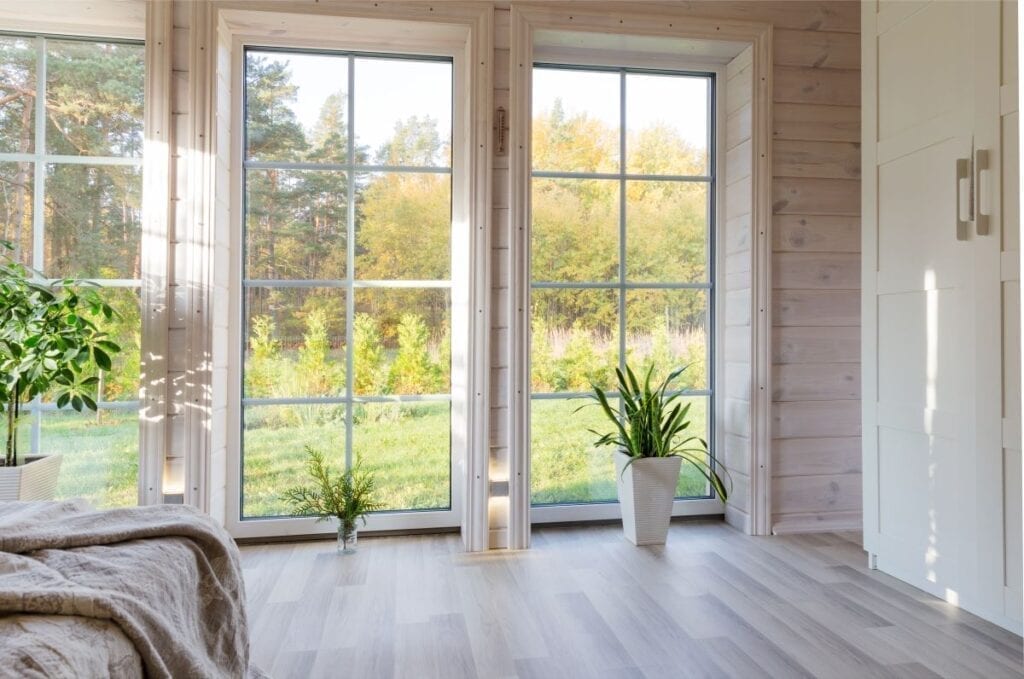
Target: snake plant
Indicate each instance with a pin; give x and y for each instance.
(654, 423)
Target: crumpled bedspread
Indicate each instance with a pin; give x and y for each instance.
(144, 591)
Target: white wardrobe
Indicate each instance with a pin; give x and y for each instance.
(941, 300)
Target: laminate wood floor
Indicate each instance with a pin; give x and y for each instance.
(585, 603)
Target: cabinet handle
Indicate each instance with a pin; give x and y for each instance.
(982, 209)
(963, 197)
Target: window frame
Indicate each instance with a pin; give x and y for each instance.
(624, 64)
(351, 283)
(41, 159)
(458, 37)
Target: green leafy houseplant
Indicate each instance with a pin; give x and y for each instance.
(654, 424)
(50, 343)
(347, 496)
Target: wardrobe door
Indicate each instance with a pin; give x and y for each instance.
(931, 309)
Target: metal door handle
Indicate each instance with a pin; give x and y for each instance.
(963, 197)
(982, 192)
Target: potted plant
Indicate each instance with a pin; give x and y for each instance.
(50, 345)
(652, 438)
(347, 496)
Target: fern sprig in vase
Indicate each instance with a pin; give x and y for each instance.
(347, 496)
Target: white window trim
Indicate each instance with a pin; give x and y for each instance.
(525, 21)
(463, 33)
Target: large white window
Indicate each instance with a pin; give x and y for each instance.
(347, 274)
(71, 138)
(622, 210)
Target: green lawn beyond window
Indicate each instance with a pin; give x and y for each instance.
(411, 460)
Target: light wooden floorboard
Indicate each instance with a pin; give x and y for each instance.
(585, 603)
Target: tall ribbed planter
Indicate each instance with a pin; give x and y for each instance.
(35, 480)
(647, 489)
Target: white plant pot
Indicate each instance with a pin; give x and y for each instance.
(35, 480)
(647, 489)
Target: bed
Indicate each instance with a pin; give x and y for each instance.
(143, 591)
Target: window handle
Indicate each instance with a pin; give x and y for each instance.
(982, 192)
(963, 197)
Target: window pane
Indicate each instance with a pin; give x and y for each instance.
(274, 455)
(94, 98)
(575, 235)
(101, 454)
(408, 448)
(691, 482)
(576, 120)
(401, 341)
(296, 224)
(296, 107)
(667, 232)
(574, 339)
(16, 209)
(403, 111)
(565, 465)
(668, 329)
(667, 124)
(92, 221)
(18, 94)
(404, 227)
(295, 342)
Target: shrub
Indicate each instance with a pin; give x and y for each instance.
(262, 368)
(413, 372)
(315, 373)
(368, 356)
(581, 365)
(542, 377)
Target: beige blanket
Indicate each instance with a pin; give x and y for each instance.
(167, 577)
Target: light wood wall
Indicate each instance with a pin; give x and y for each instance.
(734, 279)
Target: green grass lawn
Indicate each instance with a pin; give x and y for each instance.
(101, 459)
(407, 447)
(566, 467)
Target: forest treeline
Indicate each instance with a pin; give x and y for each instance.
(296, 229)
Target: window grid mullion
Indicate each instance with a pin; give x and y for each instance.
(38, 203)
(350, 259)
(615, 176)
(349, 166)
(622, 221)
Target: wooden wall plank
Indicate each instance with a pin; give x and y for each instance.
(815, 419)
(816, 493)
(810, 122)
(817, 49)
(816, 307)
(738, 91)
(823, 159)
(806, 196)
(816, 270)
(815, 381)
(738, 162)
(809, 15)
(816, 345)
(737, 127)
(817, 456)
(737, 235)
(797, 85)
(815, 233)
